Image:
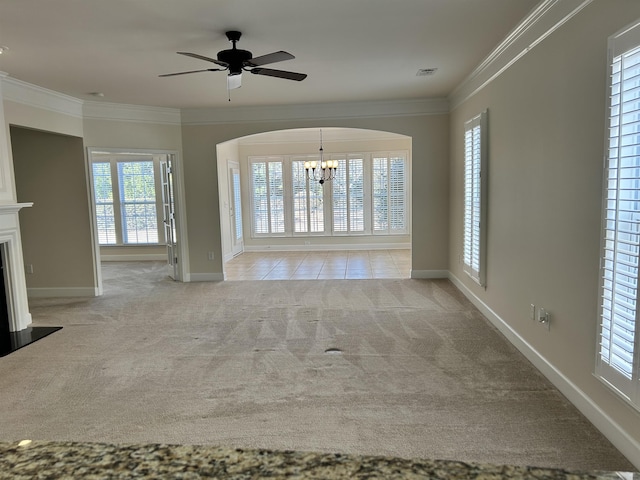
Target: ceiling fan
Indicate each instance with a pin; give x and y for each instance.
(236, 61)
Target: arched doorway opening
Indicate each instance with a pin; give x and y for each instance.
(268, 204)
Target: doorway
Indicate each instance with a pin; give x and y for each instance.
(135, 198)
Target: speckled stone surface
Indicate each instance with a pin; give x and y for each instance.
(69, 460)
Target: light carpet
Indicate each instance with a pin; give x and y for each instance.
(404, 367)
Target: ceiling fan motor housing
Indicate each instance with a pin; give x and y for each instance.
(235, 58)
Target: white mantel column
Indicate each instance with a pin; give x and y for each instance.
(10, 241)
(7, 183)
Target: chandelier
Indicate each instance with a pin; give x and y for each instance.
(322, 171)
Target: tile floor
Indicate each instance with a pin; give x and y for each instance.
(320, 265)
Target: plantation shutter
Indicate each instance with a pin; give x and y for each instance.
(267, 196)
(474, 193)
(618, 362)
(103, 194)
(348, 196)
(389, 194)
(300, 203)
(138, 202)
(397, 214)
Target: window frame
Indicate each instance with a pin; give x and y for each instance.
(627, 387)
(328, 211)
(114, 159)
(475, 177)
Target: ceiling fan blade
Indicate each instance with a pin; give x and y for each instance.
(206, 59)
(279, 73)
(192, 71)
(269, 58)
(234, 81)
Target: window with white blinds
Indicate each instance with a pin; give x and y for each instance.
(308, 201)
(348, 195)
(618, 361)
(127, 206)
(389, 191)
(475, 152)
(368, 196)
(267, 196)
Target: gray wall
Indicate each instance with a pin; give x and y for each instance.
(546, 146)
(56, 231)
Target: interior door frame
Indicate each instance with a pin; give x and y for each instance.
(182, 271)
(231, 166)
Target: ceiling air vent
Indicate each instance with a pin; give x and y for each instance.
(424, 72)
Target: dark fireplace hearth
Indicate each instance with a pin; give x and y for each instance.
(12, 341)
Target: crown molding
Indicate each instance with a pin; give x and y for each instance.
(547, 17)
(131, 113)
(318, 111)
(15, 90)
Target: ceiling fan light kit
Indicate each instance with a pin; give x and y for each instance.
(235, 61)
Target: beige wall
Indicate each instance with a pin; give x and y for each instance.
(430, 195)
(126, 134)
(546, 128)
(116, 134)
(56, 231)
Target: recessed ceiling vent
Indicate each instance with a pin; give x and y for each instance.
(425, 72)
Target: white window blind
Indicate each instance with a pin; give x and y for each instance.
(138, 202)
(267, 202)
(103, 194)
(389, 194)
(368, 196)
(618, 359)
(348, 196)
(474, 196)
(128, 200)
(308, 200)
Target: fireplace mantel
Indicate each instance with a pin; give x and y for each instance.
(11, 250)
(13, 207)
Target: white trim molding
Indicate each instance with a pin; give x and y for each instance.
(326, 247)
(320, 111)
(542, 21)
(25, 93)
(615, 432)
(131, 113)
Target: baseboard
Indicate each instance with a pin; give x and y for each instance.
(429, 274)
(324, 247)
(62, 292)
(149, 257)
(206, 277)
(614, 432)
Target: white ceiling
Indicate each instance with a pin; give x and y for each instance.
(352, 50)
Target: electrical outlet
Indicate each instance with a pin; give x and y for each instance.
(544, 318)
(211, 256)
(28, 268)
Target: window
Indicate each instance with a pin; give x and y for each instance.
(267, 190)
(308, 200)
(619, 340)
(369, 196)
(348, 195)
(475, 177)
(127, 207)
(388, 194)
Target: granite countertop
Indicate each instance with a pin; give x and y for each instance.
(71, 460)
